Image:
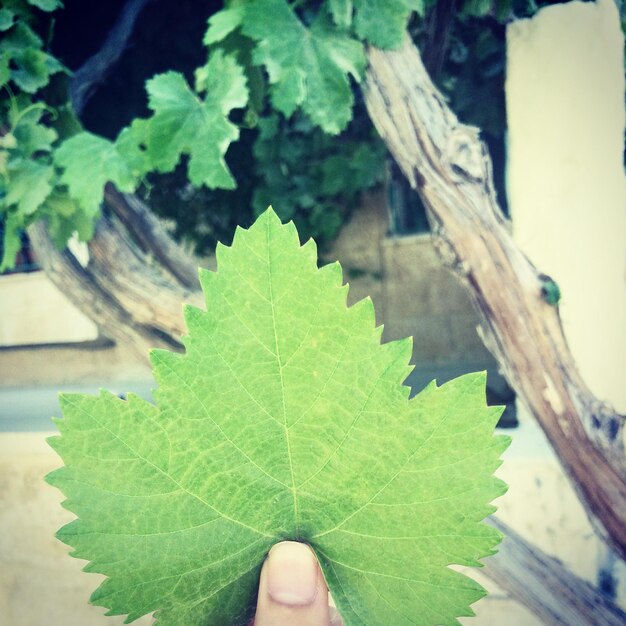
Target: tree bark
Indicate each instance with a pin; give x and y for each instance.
(449, 166)
(153, 300)
(120, 289)
(77, 283)
(545, 587)
(148, 232)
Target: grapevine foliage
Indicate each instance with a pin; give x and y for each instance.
(275, 70)
(59, 174)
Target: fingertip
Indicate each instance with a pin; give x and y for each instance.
(292, 577)
(292, 589)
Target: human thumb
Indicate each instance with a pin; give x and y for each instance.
(292, 590)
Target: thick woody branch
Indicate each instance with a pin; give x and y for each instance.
(544, 586)
(149, 233)
(450, 167)
(76, 282)
(119, 289)
(120, 269)
(87, 77)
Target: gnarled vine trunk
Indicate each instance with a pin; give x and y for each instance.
(449, 166)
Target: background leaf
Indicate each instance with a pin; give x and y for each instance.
(28, 186)
(183, 123)
(88, 163)
(383, 22)
(11, 241)
(341, 10)
(46, 5)
(307, 67)
(6, 19)
(285, 419)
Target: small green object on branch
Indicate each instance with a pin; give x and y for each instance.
(285, 419)
(550, 290)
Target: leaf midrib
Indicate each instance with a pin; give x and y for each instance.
(282, 382)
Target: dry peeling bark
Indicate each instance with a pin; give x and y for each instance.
(150, 235)
(544, 586)
(446, 162)
(132, 299)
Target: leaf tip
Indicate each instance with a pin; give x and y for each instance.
(50, 477)
(205, 276)
(269, 215)
(364, 309)
(504, 442)
(54, 440)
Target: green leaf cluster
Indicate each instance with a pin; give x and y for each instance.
(30, 187)
(23, 61)
(56, 171)
(184, 123)
(313, 178)
(311, 56)
(285, 419)
(28, 180)
(190, 126)
(257, 118)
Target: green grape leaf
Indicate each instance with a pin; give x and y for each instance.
(30, 183)
(285, 419)
(6, 19)
(223, 23)
(341, 10)
(8, 141)
(46, 5)
(30, 67)
(132, 142)
(358, 166)
(88, 163)
(11, 240)
(307, 67)
(20, 38)
(31, 71)
(383, 22)
(31, 136)
(184, 123)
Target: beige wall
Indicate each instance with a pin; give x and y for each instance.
(39, 584)
(566, 184)
(33, 311)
